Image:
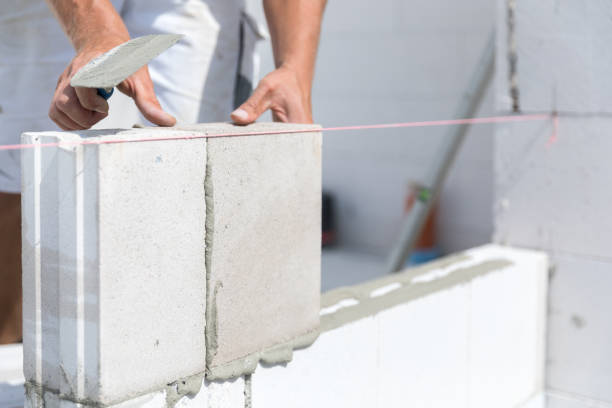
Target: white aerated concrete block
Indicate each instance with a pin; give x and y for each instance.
(507, 326)
(422, 358)
(114, 274)
(227, 394)
(264, 194)
(338, 370)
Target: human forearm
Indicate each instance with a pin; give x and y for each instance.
(295, 26)
(90, 23)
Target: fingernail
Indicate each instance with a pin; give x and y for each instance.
(101, 109)
(240, 114)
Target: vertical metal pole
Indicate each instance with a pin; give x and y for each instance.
(442, 161)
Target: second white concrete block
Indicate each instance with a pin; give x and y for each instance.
(263, 236)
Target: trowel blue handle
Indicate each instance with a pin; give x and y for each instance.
(105, 93)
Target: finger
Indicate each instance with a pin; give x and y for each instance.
(293, 108)
(140, 88)
(62, 120)
(280, 116)
(69, 104)
(89, 99)
(296, 115)
(151, 109)
(254, 107)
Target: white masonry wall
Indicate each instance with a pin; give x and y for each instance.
(137, 292)
(556, 197)
(468, 331)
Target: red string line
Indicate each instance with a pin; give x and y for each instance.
(555, 132)
(448, 122)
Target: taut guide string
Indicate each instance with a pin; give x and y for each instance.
(447, 122)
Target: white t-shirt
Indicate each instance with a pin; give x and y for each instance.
(195, 80)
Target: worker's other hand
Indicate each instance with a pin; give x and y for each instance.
(81, 108)
(282, 93)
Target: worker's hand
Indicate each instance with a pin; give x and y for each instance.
(282, 93)
(81, 108)
(139, 87)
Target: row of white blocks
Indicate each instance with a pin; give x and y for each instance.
(146, 263)
(467, 332)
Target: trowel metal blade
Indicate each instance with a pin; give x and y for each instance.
(112, 67)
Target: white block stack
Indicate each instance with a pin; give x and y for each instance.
(116, 264)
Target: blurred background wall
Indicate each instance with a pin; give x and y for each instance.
(398, 61)
(556, 196)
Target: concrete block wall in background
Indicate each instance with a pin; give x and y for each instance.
(556, 197)
(395, 61)
(141, 257)
(563, 62)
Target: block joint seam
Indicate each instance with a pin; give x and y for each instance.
(512, 56)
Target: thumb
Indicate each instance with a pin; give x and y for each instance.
(254, 107)
(150, 108)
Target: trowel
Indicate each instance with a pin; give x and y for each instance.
(113, 67)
